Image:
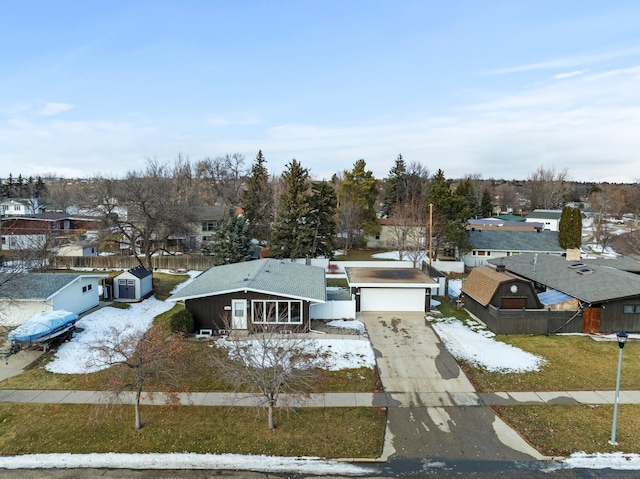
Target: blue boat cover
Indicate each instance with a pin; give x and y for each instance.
(43, 325)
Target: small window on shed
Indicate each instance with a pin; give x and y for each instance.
(628, 308)
(637, 308)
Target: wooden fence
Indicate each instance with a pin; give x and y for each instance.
(178, 262)
(526, 321)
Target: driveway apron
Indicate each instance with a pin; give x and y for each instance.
(423, 379)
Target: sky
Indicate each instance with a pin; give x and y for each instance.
(492, 88)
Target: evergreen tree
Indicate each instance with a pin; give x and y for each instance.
(231, 240)
(357, 196)
(288, 234)
(258, 200)
(486, 204)
(450, 214)
(321, 220)
(395, 191)
(466, 190)
(570, 228)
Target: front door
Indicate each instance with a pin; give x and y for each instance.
(239, 312)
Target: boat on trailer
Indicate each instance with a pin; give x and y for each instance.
(43, 327)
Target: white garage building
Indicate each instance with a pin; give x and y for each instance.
(390, 289)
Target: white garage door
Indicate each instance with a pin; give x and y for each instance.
(392, 299)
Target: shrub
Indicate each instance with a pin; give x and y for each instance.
(181, 322)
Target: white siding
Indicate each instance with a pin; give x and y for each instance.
(14, 313)
(72, 298)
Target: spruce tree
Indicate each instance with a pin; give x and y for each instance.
(288, 233)
(231, 240)
(258, 200)
(486, 204)
(396, 187)
(321, 221)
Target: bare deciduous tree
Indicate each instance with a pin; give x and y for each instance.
(148, 208)
(224, 177)
(546, 188)
(269, 362)
(138, 361)
(409, 230)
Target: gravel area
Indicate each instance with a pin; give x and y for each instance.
(321, 325)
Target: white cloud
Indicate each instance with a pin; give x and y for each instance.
(562, 76)
(52, 109)
(568, 62)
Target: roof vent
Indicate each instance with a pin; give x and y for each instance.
(500, 268)
(577, 265)
(585, 271)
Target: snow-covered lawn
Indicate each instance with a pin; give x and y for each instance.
(76, 356)
(478, 347)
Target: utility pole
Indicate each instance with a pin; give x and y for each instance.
(430, 233)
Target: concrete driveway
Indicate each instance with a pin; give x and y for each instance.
(416, 369)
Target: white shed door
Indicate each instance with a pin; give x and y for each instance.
(392, 299)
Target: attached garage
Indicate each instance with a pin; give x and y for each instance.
(390, 289)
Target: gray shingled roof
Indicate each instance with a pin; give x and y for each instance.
(34, 286)
(545, 214)
(602, 284)
(523, 241)
(270, 276)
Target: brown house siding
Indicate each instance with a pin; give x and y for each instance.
(209, 312)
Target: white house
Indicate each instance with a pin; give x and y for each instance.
(550, 218)
(20, 207)
(24, 295)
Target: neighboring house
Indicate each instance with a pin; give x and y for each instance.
(79, 248)
(495, 223)
(208, 218)
(607, 299)
(496, 243)
(265, 291)
(550, 218)
(136, 283)
(26, 294)
(20, 206)
(390, 231)
(32, 231)
(390, 289)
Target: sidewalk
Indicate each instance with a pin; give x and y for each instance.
(330, 399)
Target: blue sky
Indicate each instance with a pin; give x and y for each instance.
(494, 88)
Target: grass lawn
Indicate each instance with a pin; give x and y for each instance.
(559, 430)
(574, 363)
(79, 428)
(361, 255)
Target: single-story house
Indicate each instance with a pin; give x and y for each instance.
(136, 283)
(550, 218)
(24, 295)
(608, 298)
(253, 293)
(496, 243)
(390, 289)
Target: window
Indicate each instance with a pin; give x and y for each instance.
(631, 308)
(279, 312)
(86, 288)
(208, 226)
